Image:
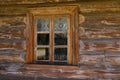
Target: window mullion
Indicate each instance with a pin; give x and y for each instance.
(51, 40)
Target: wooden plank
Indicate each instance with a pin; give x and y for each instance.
(51, 67)
(60, 32)
(34, 28)
(43, 46)
(76, 43)
(43, 32)
(60, 46)
(28, 39)
(51, 40)
(70, 36)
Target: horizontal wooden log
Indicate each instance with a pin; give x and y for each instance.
(20, 8)
(91, 53)
(11, 51)
(99, 45)
(17, 46)
(10, 58)
(99, 25)
(12, 22)
(8, 32)
(12, 40)
(112, 53)
(105, 53)
(92, 59)
(99, 60)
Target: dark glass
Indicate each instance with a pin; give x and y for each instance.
(42, 39)
(60, 24)
(42, 54)
(43, 24)
(60, 54)
(61, 39)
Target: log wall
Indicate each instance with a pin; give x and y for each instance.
(99, 35)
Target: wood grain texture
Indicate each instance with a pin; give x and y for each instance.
(99, 29)
(71, 12)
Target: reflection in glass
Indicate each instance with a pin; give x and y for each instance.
(61, 39)
(60, 54)
(60, 24)
(42, 54)
(42, 39)
(43, 24)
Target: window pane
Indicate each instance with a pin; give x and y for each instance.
(43, 24)
(42, 39)
(61, 39)
(42, 54)
(60, 24)
(60, 54)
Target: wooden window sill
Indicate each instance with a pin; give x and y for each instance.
(40, 66)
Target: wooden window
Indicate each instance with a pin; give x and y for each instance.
(52, 35)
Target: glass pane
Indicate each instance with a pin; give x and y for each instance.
(60, 24)
(42, 39)
(43, 24)
(60, 54)
(42, 54)
(61, 39)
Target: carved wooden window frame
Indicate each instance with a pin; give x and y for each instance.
(72, 11)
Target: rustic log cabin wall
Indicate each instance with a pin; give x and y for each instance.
(99, 31)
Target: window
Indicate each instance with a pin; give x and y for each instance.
(52, 35)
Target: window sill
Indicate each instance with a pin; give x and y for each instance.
(40, 66)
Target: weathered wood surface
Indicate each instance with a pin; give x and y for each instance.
(12, 43)
(100, 24)
(19, 7)
(99, 28)
(100, 44)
